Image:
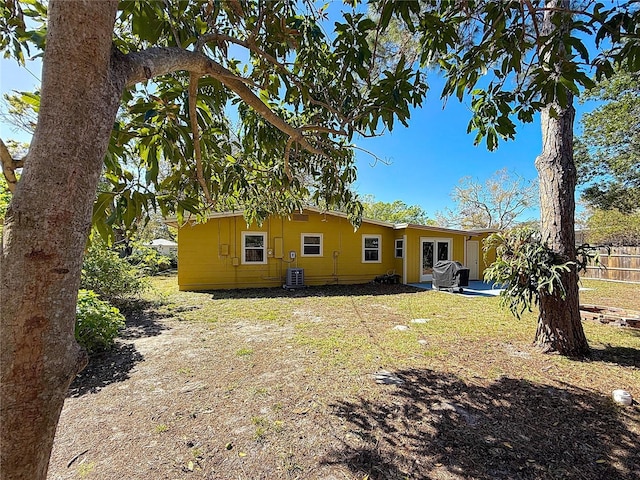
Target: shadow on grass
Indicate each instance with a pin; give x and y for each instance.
(141, 320)
(624, 356)
(112, 366)
(363, 289)
(105, 368)
(438, 426)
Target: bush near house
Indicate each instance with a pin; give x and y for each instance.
(97, 322)
(150, 261)
(109, 275)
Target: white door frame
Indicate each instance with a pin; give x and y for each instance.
(474, 269)
(435, 240)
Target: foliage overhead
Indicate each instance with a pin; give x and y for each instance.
(608, 151)
(498, 203)
(280, 102)
(496, 53)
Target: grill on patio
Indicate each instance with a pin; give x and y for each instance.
(450, 276)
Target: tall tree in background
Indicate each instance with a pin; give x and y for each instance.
(514, 59)
(169, 69)
(608, 150)
(394, 212)
(497, 203)
(613, 227)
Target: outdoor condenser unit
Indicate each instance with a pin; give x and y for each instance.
(295, 278)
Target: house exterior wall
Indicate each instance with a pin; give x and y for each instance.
(210, 254)
(490, 256)
(414, 254)
(458, 242)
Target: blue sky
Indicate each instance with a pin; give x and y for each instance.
(426, 160)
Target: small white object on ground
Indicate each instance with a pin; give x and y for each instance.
(622, 397)
(422, 341)
(387, 378)
(420, 320)
(402, 328)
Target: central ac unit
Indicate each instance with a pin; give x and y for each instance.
(295, 278)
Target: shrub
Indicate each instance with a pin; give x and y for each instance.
(111, 277)
(150, 261)
(525, 266)
(97, 322)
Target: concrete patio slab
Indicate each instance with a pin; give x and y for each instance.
(476, 288)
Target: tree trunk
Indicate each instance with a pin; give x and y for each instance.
(46, 229)
(559, 324)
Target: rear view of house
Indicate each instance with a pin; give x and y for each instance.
(322, 247)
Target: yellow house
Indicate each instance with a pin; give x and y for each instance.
(316, 248)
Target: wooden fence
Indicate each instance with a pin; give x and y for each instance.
(618, 263)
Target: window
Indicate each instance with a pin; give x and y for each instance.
(311, 245)
(254, 247)
(399, 248)
(371, 249)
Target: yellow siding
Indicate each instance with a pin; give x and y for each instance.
(413, 249)
(203, 263)
(210, 254)
(491, 255)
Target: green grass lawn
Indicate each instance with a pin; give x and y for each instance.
(273, 384)
(352, 327)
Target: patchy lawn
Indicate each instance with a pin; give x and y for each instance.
(270, 384)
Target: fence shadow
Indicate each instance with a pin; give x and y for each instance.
(438, 426)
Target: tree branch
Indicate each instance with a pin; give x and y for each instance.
(9, 166)
(153, 62)
(251, 46)
(195, 131)
(322, 129)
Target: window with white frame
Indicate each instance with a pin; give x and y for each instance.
(254, 247)
(311, 244)
(399, 249)
(371, 249)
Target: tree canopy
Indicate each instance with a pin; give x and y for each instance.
(394, 212)
(261, 113)
(613, 227)
(608, 150)
(496, 203)
(497, 54)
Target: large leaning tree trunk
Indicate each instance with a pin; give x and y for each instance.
(559, 324)
(46, 230)
(48, 221)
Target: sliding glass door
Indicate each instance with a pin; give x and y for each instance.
(432, 250)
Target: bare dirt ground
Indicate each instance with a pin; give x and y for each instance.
(255, 398)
